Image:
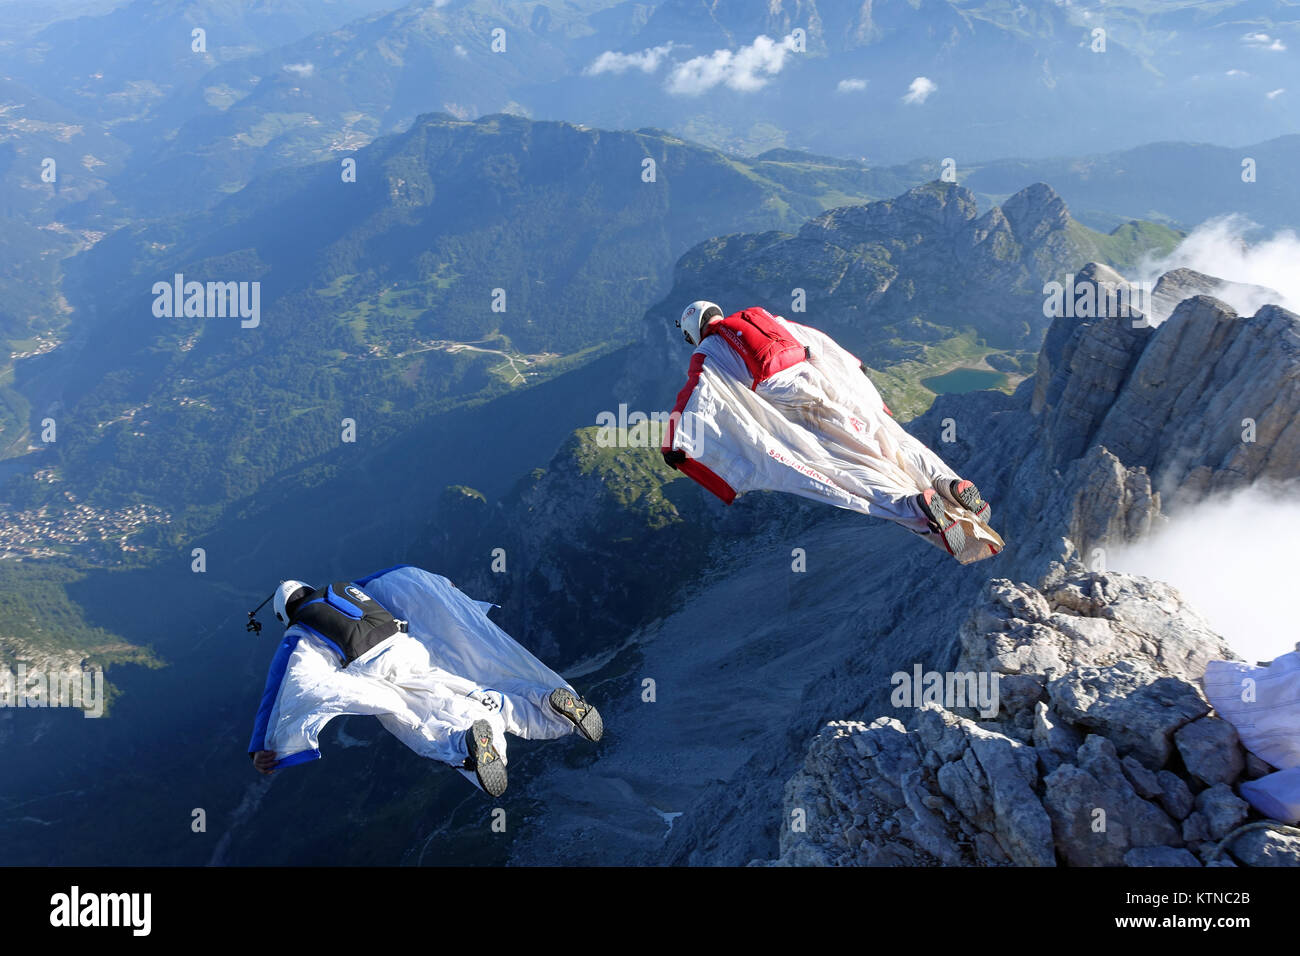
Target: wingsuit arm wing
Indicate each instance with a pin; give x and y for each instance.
(305, 690)
(823, 348)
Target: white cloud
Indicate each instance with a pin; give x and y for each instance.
(647, 61)
(920, 90)
(851, 85)
(1263, 41)
(1232, 557)
(1274, 94)
(1219, 247)
(300, 69)
(1236, 73)
(460, 51)
(745, 70)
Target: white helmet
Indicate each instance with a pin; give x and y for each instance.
(285, 593)
(696, 316)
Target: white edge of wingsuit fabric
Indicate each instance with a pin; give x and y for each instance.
(462, 640)
(1268, 725)
(739, 435)
(1276, 795)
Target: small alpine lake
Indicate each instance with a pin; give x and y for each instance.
(964, 380)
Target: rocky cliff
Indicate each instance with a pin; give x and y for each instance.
(1104, 750)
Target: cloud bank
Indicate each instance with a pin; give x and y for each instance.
(1232, 556)
(1262, 41)
(647, 61)
(745, 70)
(1220, 247)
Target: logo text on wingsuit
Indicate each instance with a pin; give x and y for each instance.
(208, 300)
(75, 908)
(800, 467)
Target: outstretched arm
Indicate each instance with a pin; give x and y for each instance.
(306, 689)
(673, 456)
(677, 457)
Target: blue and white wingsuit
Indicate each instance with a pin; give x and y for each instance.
(427, 686)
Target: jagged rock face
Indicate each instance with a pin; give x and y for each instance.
(1206, 377)
(927, 252)
(1124, 422)
(1091, 620)
(1076, 386)
(1107, 502)
(1035, 213)
(1206, 401)
(1102, 752)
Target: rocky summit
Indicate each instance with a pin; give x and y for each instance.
(1104, 751)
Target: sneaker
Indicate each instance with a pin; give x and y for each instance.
(968, 496)
(581, 714)
(948, 530)
(484, 759)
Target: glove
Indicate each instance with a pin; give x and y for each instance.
(673, 458)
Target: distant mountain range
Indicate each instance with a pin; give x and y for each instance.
(287, 83)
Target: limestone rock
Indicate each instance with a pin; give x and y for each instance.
(1266, 848)
(1223, 810)
(1130, 703)
(1211, 750)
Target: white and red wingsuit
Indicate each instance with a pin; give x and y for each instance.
(771, 405)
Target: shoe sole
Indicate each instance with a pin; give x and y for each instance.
(488, 765)
(950, 533)
(970, 500)
(578, 712)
